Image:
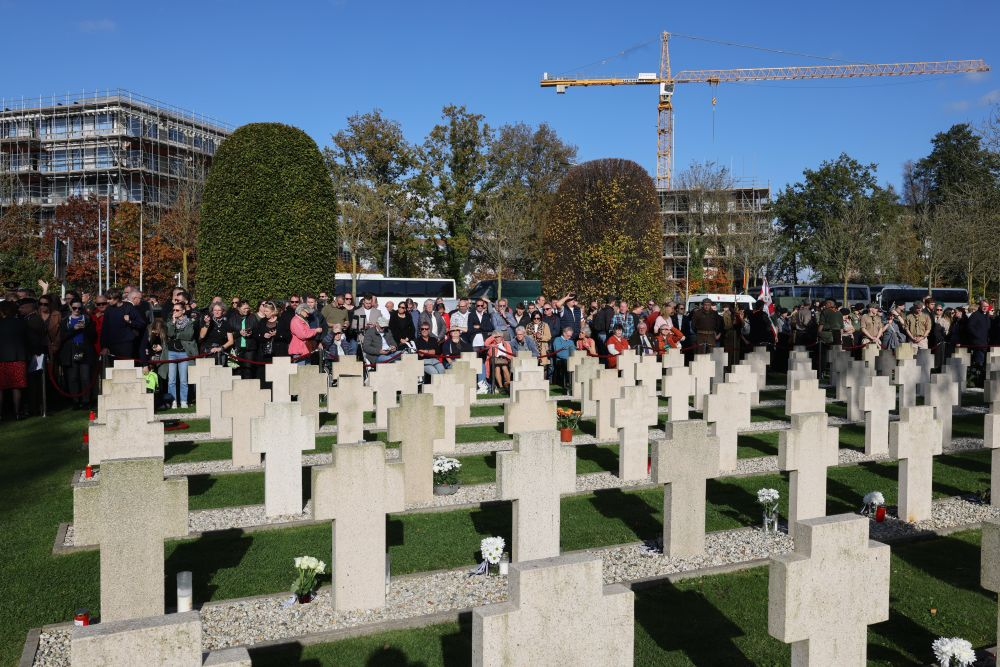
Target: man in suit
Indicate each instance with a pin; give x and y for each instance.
(480, 322)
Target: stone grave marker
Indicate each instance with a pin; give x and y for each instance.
(805, 396)
(344, 367)
(240, 405)
(885, 365)
(702, 369)
(798, 357)
(799, 373)
(853, 378)
(647, 373)
(869, 355)
(125, 396)
(990, 558)
(626, 365)
(217, 380)
(559, 613)
(534, 475)
(413, 372)
(839, 359)
(387, 381)
(350, 400)
(633, 414)
(605, 388)
(278, 373)
(925, 362)
(759, 360)
(586, 372)
(718, 354)
(196, 373)
(991, 387)
(523, 361)
(743, 375)
(448, 394)
(957, 368)
(941, 393)
(466, 376)
(678, 385)
(728, 409)
(128, 514)
(822, 597)
(416, 424)
(807, 449)
(307, 385)
(356, 492)
(878, 399)
(529, 410)
(915, 439)
(123, 370)
(672, 358)
(529, 379)
(125, 434)
(907, 377)
(905, 351)
(991, 440)
(682, 462)
(281, 435)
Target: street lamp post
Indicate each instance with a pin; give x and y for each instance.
(386, 242)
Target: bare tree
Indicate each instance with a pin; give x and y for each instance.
(846, 242)
(502, 235)
(362, 210)
(179, 224)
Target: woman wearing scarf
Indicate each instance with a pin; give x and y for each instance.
(540, 331)
(616, 345)
(181, 343)
(216, 336)
(498, 356)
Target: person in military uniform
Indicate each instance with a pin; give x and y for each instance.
(800, 320)
(831, 323)
(871, 326)
(707, 326)
(919, 325)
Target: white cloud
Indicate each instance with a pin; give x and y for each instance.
(989, 98)
(976, 76)
(959, 105)
(98, 25)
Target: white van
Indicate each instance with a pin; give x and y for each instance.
(744, 300)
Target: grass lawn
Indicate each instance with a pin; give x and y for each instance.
(722, 619)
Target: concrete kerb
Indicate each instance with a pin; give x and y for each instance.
(326, 636)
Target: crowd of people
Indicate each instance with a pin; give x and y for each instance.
(67, 341)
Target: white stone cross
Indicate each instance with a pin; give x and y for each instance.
(125, 434)
(990, 557)
(448, 393)
(805, 396)
(991, 440)
(728, 409)
(682, 462)
(907, 377)
(626, 363)
(743, 375)
(217, 380)
(799, 373)
(240, 405)
(129, 513)
(356, 491)
(632, 415)
(915, 439)
(350, 400)
(905, 351)
(584, 373)
(277, 373)
(807, 449)
(799, 357)
(822, 598)
(942, 394)
(196, 372)
(925, 361)
(529, 379)
(387, 381)
(347, 368)
(465, 375)
(839, 359)
(957, 367)
(878, 399)
(281, 435)
(307, 385)
(672, 358)
(559, 613)
(886, 363)
(416, 424)
(605, 388)
(534, 475)
(529, 410)
(678, 385)
(125, 396)
(702, 369)
(759, 360)
(869, 355)
(721, 361)
(647, 373)
(853, 378)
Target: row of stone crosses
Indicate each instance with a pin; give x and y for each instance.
(130, 508)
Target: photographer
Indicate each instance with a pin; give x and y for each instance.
(216, 336)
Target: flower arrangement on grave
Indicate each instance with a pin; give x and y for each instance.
(307, 569)
(953, 652)
(446, 470)
(492, 550)
(568, 418)
(768, 500)
(874, 505)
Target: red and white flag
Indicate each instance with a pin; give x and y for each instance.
(765, 296)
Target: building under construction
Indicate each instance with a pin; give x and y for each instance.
(726, 223)
(112, 144)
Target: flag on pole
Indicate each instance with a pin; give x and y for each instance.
(765, 296)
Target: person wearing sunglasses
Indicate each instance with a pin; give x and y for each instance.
(401, 326)
(181, 342)
(428, 349)
(335, 312)
(77, 354)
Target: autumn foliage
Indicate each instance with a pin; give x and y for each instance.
(603, 236)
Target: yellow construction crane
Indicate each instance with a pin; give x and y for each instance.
(666, 81)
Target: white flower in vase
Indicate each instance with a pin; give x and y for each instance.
(953, 651)
(492, 549)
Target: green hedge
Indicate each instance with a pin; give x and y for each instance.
(268, 219)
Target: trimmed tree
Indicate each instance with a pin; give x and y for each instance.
(268, 217)
(603, 236)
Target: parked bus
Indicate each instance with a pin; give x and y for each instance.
(398, 289)
(744, 301)
(949, 297)
(788, 296)
(515, 291)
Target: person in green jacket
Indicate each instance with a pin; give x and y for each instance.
(181, 343)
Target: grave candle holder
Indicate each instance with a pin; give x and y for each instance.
(89, 472)
(880, 514)
(81, 617)
(388, 567)
(185, 591)
(504, 564)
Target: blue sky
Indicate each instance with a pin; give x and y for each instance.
(311, 64)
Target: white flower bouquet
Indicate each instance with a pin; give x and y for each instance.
(492, 549)
(768, 500)
(872, 501)
(953, 652)
(445, 470)
(307, 569)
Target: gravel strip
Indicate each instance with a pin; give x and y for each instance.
(243, 516)
(945, 513)
(754, 466)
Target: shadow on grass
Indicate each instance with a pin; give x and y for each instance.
(604, 457)
(178, 448)
(686, 622)
(456, 648)
(733, 501)
(947, 559)
(204, 557)
(280, 656)
(899, 629)
(200, 484)
(588, 427)
(759, 443)
(630, 509)
(841, 498)
(971, 464)
(495, 518)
